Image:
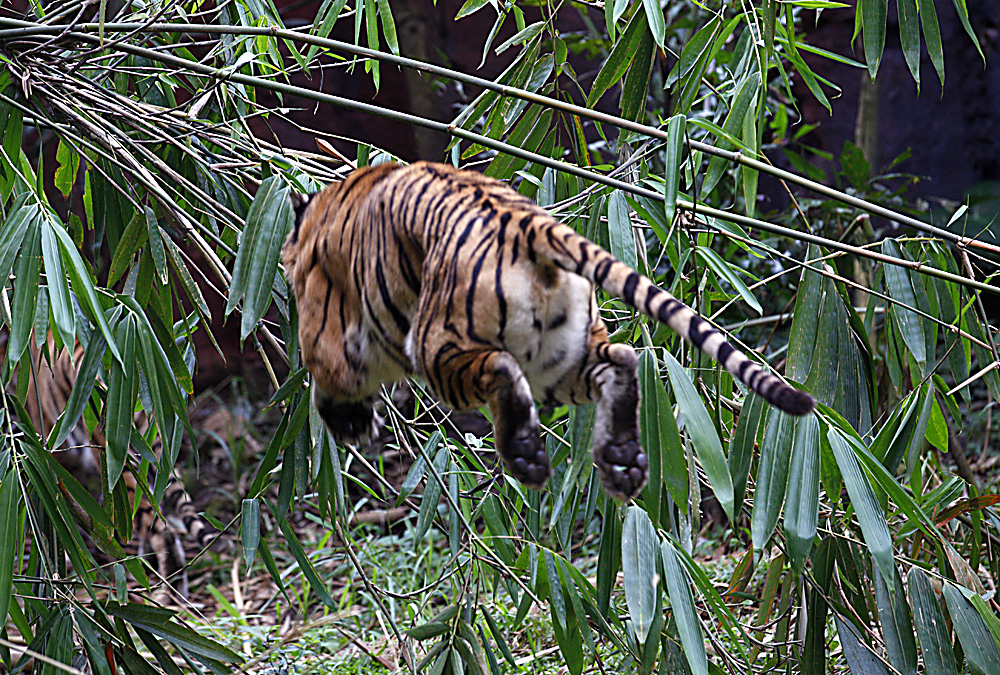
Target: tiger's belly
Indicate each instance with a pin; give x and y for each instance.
(549, 328)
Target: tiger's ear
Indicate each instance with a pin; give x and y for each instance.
(300, 202)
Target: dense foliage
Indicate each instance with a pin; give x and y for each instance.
(852, 538)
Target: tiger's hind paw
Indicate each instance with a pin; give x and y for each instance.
(526, 460)
(623, 467)
(355, 423)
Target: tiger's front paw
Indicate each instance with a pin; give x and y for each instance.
(526, 459)
(356, 423)
(623, 467)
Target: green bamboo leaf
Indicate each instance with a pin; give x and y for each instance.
(26, 271)
(498, 635)
(161, 623)
(732, 127)
(134, 236)
(932, 632)
(10, 496)
(860, 658)
(432, 492)
(654, 15)
(267, 226)
(703, 434)
(388, 26)
(963, 16)
(772, 477)
(909, 36)
(123, 390)
(932, 37)
(308, 571)
(742, 445)
(14, 228)
(907, 287)
(635, 89)
(83, 285)
(639, 557)
(730, 273)
(521, 37)
(980, 648)
(80, 393)
(802, 501)
(156, 245)
(528, 133)
(620, 230)
(673, 160)
(69, 164)
(620, 57)
(869, 513)
(873, 18)
(250, 530)
(660, 438)
(556, 600)
(750, 176)
(609, 556)
(187, 281)
(826, 348)
(685, 613)
(58, 288)
(897, 627)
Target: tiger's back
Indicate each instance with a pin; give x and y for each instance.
(458, 278)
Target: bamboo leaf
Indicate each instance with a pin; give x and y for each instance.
(860, 658)
(909, 36)
(639, 565)
(654, 16)
(897, 627)
(742, 445)
(980, 648)
(26, 270)
(660, 439)
(156, 245)
(873, 17)
(10, 496)
(250, 530)
(932, 632)
(620, 58)
(772, 477)
(685, 613)
(703, 435)
(620, 230)
(932, 37)
(869, 513)
(673, 160)
(123, 390)
(802, 503)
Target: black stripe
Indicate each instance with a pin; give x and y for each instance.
(628, 291)
(725, 351)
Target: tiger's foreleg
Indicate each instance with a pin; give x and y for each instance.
(353, 422)
(469, 378)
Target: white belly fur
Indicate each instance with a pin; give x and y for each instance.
(548, 353)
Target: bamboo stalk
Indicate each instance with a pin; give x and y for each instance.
(26, 28)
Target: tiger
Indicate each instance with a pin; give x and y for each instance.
(51, 377)
(453, 276)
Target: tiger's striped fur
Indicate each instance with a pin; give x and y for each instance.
(50, 382)
(456, 277)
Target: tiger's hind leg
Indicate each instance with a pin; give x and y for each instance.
(466, 379)
(610, 377)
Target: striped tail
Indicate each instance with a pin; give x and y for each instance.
(574, 253)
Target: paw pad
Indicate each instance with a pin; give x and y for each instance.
(623, 467)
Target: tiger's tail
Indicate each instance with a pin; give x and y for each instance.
(574, 253)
